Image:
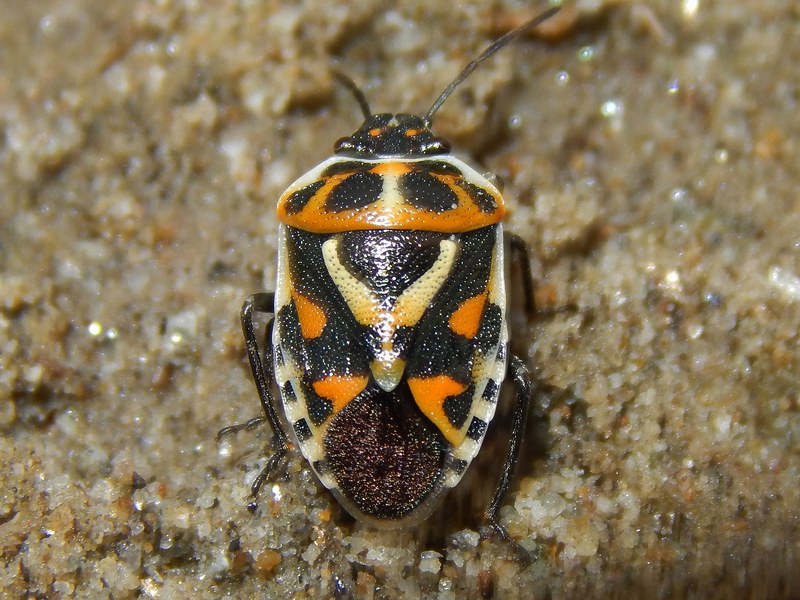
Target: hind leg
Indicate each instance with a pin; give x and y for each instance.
(264, 376)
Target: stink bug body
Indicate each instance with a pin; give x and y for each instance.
(389, 341)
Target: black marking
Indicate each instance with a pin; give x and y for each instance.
(457, 408)
(437, 167)
(347, 166)
(502, 352)
(302, 430)
(483, 199)
(477, 429)
(489, 330)
(457, 466)
(287, 392)
(291, 338)
(403, 337)
(357, 191)
(438, 350)
(319, 408)
(426, 192)
(279, 359)
(298, 200)
(387, 458)
(389, 261)
(491, 391)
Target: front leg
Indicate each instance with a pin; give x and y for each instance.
(519, 257)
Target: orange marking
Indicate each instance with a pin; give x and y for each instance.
(389, 210)
(467, 317)
(388, 214)
(429, 394)
(391, 168)
(340, 389)
(375, 132)
(412, 132)
(312, 316)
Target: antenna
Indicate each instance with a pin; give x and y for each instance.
(498, 44)
(359, 95)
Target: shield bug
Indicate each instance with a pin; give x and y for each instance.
(389, 341)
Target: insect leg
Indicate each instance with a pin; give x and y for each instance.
(264, 375)
(520, 257)
(522, 382)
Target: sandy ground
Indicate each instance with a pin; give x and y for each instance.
(651, 158)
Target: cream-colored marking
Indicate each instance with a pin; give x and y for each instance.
(467, 450)
(311, 448)
(284, 282)
(369, 310)
(417, 297)
(409, 306)
(327, 480)
(387, 369)
(288, 371)
(482, 366)
(497, 288)
(451, 479)
(362, 301)
(390, 194)
(483, 410)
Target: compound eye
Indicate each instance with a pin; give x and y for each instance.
(437, 146)
(345, 143)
